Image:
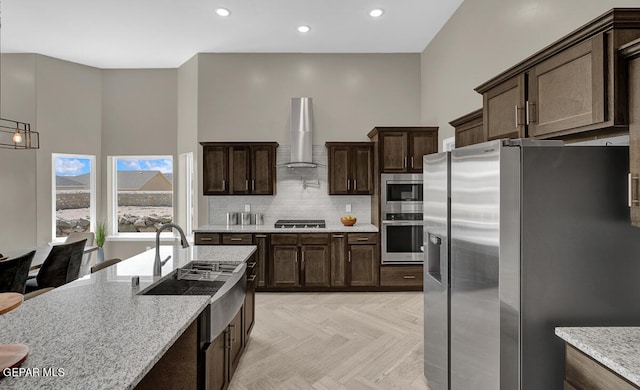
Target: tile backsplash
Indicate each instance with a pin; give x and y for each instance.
(301, 193)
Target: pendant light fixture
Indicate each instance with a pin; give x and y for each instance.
(15, 134)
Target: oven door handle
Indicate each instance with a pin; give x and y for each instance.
(405, 223)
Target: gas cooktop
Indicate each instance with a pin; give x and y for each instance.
(300, 223)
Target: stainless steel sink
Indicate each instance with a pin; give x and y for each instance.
(195, 278)
(174, 286)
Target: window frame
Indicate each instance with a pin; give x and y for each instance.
(112, 197)
(92, 192)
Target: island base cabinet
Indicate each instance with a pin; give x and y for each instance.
(178, 367)
(584, 373)
(216, 365)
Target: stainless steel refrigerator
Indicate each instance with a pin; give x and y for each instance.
(522, 236)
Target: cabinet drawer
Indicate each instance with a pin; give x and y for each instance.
(314, 239)
(362, 238)
(401, 275)
(207, 239)
(284, 239)
(237, 239)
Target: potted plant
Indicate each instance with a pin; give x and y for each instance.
(101, 235)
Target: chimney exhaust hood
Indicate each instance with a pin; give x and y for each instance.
(301, 133)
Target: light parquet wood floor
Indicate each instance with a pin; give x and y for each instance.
(332, 341)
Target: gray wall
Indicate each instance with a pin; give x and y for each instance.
(18, 167)
(139, 117)
(246, 97)
(484, 38)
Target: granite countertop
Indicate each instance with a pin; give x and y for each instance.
(269, 228)
(617, 348)
(98, 331)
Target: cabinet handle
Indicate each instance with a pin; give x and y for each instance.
(246, 185)
(252, 278)
(236, 239)
(338, 236)
(411, 161)
(261, 236)
(206, 239)
(348, 185)
(349, 256)
(302, 257)
(355, 184)
(633, 200)
(232, 332)
(518, 123)
(404, 163)
(362, 239)
(227, 339)
(409, 277)
(253, 185)
(528, 113)
(295, 255)
(224, 185)
(251, 265)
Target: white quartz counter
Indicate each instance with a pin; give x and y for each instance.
(269, 228)
(617, 348)
(98, 332)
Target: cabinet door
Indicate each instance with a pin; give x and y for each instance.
(568, 90)
(338, 260)
(634, 140)
(262, 166)
(364, 265)
(236, 334)
(503, 110)
(339, 170)
(362, 163)
(249, 307)
(316, 266)
(262, 258)
(215, 170)
(216, 362)
(239, 169)
(420, 143)
(286, 272)
(394, 151)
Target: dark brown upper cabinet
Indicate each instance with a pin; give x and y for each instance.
(469, 129)
(400, 149)
(350, 168)
(575, 88)
(239, 168)
(631, 53)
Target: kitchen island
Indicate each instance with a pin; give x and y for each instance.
(602, 357)
(97, 332)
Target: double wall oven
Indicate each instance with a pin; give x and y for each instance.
(401, 209)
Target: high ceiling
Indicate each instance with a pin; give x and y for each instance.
(166, 33)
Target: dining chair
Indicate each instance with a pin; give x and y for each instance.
(87, 259)
(61, 266)
(104, 264)
(14, 273)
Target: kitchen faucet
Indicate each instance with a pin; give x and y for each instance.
(157, 264)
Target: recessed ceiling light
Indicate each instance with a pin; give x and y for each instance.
(223, 12)
(304, 29)
(376, 13)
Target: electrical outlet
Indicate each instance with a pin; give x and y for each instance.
(247, 208)
(348, 208)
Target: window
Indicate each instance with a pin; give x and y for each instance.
(142, 193)
(74, 194)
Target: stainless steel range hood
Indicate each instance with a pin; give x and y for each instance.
(301, 133)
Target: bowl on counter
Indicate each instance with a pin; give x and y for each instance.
(348, 222)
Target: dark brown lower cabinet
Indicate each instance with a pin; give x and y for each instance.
(584, 373)
(262, 256)
(216, 363)
(286, 269)
(364, 265)
(338, 250)
(401, 275)
(178, 367)
(316, 266)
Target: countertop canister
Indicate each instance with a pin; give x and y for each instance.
(245, 218)
(232, 218)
